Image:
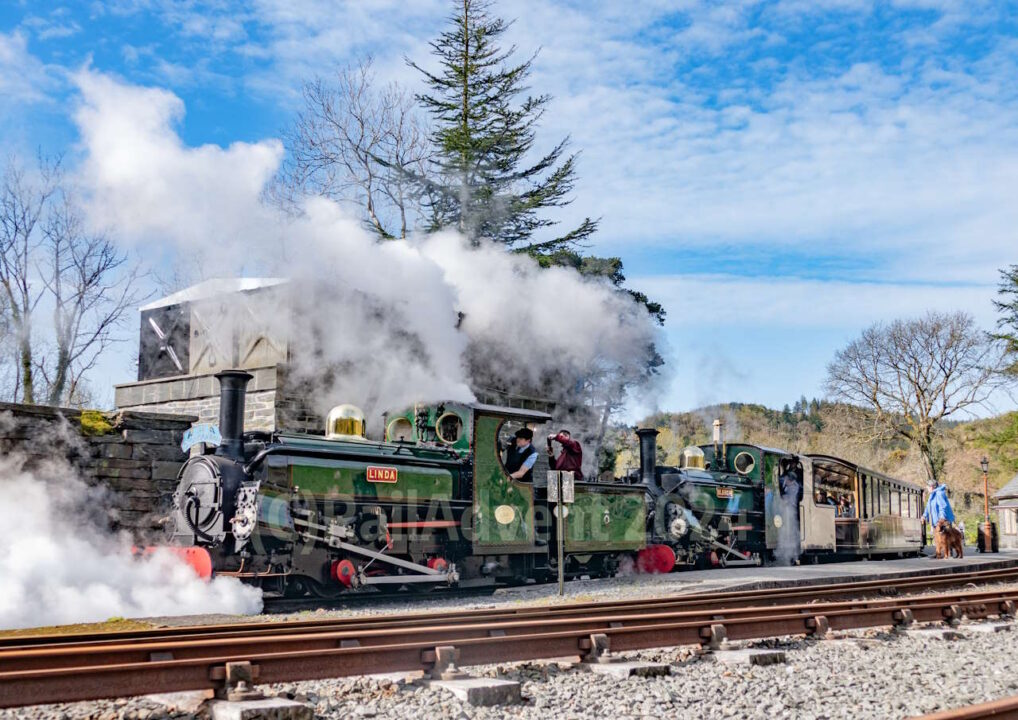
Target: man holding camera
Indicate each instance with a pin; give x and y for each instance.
(571, 457)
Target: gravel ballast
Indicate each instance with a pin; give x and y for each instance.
(867, 674)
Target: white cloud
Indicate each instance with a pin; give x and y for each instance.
(23, 77)
(682, 145)
(868, 160)
(146, 183)
(704, 300)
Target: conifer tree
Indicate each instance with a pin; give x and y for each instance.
(486, 183)
(1007, 306)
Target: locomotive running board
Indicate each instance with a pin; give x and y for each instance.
(425, 574)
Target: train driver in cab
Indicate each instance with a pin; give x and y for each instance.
(521, 456)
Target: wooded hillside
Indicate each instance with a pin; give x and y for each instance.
(822, 427)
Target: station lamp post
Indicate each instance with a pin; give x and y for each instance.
(987, 540)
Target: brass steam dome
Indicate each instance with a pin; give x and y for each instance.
(345, 422)
(691, 457)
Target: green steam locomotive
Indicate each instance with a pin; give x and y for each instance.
(433, 505)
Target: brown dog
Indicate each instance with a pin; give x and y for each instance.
(948, 540)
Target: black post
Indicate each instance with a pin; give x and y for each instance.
(232, 392)
(648, 454)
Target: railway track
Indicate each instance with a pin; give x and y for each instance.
(1004, 709)
(58, 668)
(693, 601)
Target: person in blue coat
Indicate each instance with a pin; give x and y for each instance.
(938, 507)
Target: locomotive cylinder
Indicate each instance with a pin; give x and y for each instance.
(648, 454)
(232, 393)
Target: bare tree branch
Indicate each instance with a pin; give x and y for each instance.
(51, 262)
(23, 201)
(904, 378)
(91, 288)
(356, 144)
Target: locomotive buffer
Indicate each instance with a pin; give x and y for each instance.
(561, 491)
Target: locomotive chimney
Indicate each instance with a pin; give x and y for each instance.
(648, 454)
(232, 392)
(720, 461)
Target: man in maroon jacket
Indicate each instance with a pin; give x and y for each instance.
(571, 457)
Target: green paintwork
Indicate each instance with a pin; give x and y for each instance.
(493, 488)
(434, 413)
(765, 471)
(760, 457)
(388, 452)
(626, 514)
(710, 496)
(348, 478)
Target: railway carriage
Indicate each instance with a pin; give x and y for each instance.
(882, 515)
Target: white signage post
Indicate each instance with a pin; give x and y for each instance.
(561, 490)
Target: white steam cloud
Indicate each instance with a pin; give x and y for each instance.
(59, 565)
(382, 325)
(400, 322)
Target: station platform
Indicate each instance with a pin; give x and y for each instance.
(628, 587)
(754, 578)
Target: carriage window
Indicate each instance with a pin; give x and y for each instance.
(895, 502)
(885, 498)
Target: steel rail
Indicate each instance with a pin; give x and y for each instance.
(307, 657)
(1006, 708)
(970, 603)
(728, 599)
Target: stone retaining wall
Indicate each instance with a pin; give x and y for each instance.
(135, 454)
(270, 405)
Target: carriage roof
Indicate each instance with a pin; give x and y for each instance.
(855, 468)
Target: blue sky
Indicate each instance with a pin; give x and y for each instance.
(779, 174)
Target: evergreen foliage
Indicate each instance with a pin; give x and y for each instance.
(1007, 306)
(485, 183)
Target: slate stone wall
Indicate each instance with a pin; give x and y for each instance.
(134, 454)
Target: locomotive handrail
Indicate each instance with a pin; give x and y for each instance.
(259, 458)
